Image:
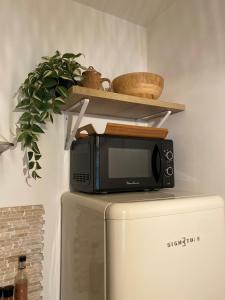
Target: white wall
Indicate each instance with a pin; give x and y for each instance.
(187, 46)
(30, 29)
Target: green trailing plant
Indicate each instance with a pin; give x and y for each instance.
(42, 95)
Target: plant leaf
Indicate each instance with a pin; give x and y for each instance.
(27, 140)
(69, 55)
(44, 115)
(37, 156)
(58, 104)
(38, 167)
(60, 100)
(30, 155)
(21, 136)
(79, 54)
(45, 94)
(35, 148)
(25, 103)
(26, 117)
(46, 57)
(32, 79)
(37, 129)
(49, 82)
(62, 91)
(38, 105)
(36, 96)
(66, 77)
(31, 165)
(30, 90)
(47, 73)
(37, 118)
(44, 66)
(57, 54)
(34, 137)
(34, 110)
(57, 110)
(25, 127)
(35, 175)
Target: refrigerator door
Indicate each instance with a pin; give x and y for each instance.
(82, 248)
(166, 250)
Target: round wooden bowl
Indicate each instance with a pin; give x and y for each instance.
(141, 84)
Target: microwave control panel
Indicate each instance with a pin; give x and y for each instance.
(168, 163)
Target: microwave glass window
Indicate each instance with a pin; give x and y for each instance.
(128, 163)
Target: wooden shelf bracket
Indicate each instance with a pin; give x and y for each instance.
(70, 135)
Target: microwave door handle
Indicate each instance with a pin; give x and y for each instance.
(156, 163)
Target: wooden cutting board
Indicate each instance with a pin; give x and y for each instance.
(124, 130)
(135, 131)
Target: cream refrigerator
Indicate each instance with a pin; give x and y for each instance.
(142, 246)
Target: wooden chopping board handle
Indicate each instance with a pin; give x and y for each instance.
(89, 129)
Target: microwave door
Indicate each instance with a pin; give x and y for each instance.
(156, 163)
(127, 164)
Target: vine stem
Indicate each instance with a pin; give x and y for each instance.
(28, 170)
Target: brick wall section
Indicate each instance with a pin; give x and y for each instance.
(21, 232)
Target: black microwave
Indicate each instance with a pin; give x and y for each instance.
(105, 163)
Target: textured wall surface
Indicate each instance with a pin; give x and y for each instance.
(21, 232)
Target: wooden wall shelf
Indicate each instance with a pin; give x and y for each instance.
(102, 103)
(107, 104)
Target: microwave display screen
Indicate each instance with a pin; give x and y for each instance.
(128, 163)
